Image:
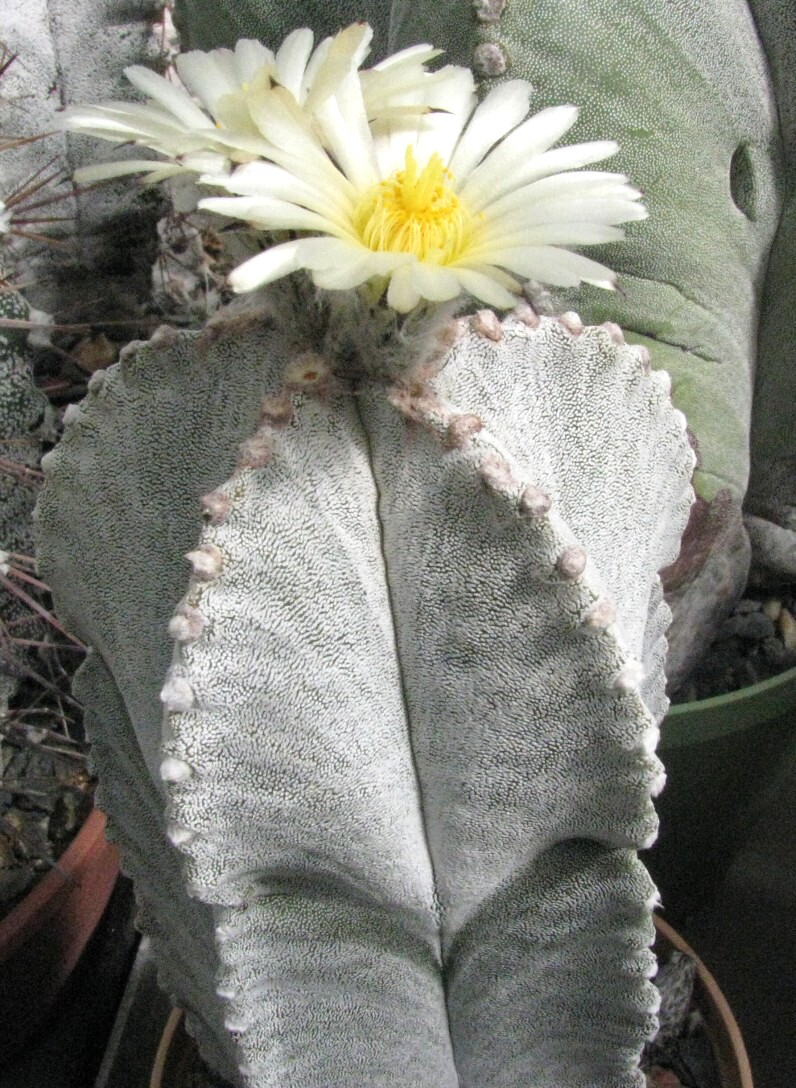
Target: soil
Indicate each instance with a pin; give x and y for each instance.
(757, 641)
(45, 790)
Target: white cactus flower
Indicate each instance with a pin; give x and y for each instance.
(469, 199)
(5, 218)
(211, 121)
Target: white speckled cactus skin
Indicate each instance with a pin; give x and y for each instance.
(408, 751)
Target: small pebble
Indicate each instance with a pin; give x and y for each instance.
(787, 628)
(772, 608)
(774, 651)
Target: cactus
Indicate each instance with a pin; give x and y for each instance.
(25, 421)
(712, 167)
(408, 751)
(67, 50)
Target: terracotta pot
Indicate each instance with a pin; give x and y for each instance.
(42, 938)
(724, 758)
(177, 1056)
(723, 1031)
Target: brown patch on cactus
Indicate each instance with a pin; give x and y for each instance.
(461, 429)
(486, 323)
(216, 507)
(707, 523)
(308, 372)
(572, 562)
(535, 502)
(417, 402)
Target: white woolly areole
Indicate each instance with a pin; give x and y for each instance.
(177, 694)
(175, 770)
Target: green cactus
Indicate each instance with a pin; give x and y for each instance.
(706, 149)
(407, 756)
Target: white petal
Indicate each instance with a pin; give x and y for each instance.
(266, 267)
(174, 99)
(266, 179)
(555, 266)
(268, 214)
(345, 126)
(417, 54)
(501, 111)
(344, 54)
(434, 282)
(485, 287)
(291, 60)
(251, 57)
(519, 149)
(402, 294)
(209, 76)
(440, 131)
(102, 171)
(559, 234)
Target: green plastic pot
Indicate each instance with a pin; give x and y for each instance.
(724, 757)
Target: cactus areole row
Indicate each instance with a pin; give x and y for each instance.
(412, 670)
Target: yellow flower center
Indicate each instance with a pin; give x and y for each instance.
(414, 211)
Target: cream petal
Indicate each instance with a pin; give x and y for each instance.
(434, 282)
(344, 124)
(268, 214)
(517, 151)
(172, 98)
(208, 76)
(291, 60)
(566, 234)
(102, 171)
(266, 179)
(314, 65)
(558, 267)
(251, 57)
(500, 112)
(601, 210)
(344, 54)
(440, 131)
(402, 294)
(483, 286)
(558, 160)
(413, 54)
(266, 267)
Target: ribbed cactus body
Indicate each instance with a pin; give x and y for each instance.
(710, 162)
(408, 748)
(26, 420)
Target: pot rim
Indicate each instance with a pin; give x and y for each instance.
(708, 719)
(33, 910)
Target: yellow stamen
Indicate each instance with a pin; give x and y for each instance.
(414, 211)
